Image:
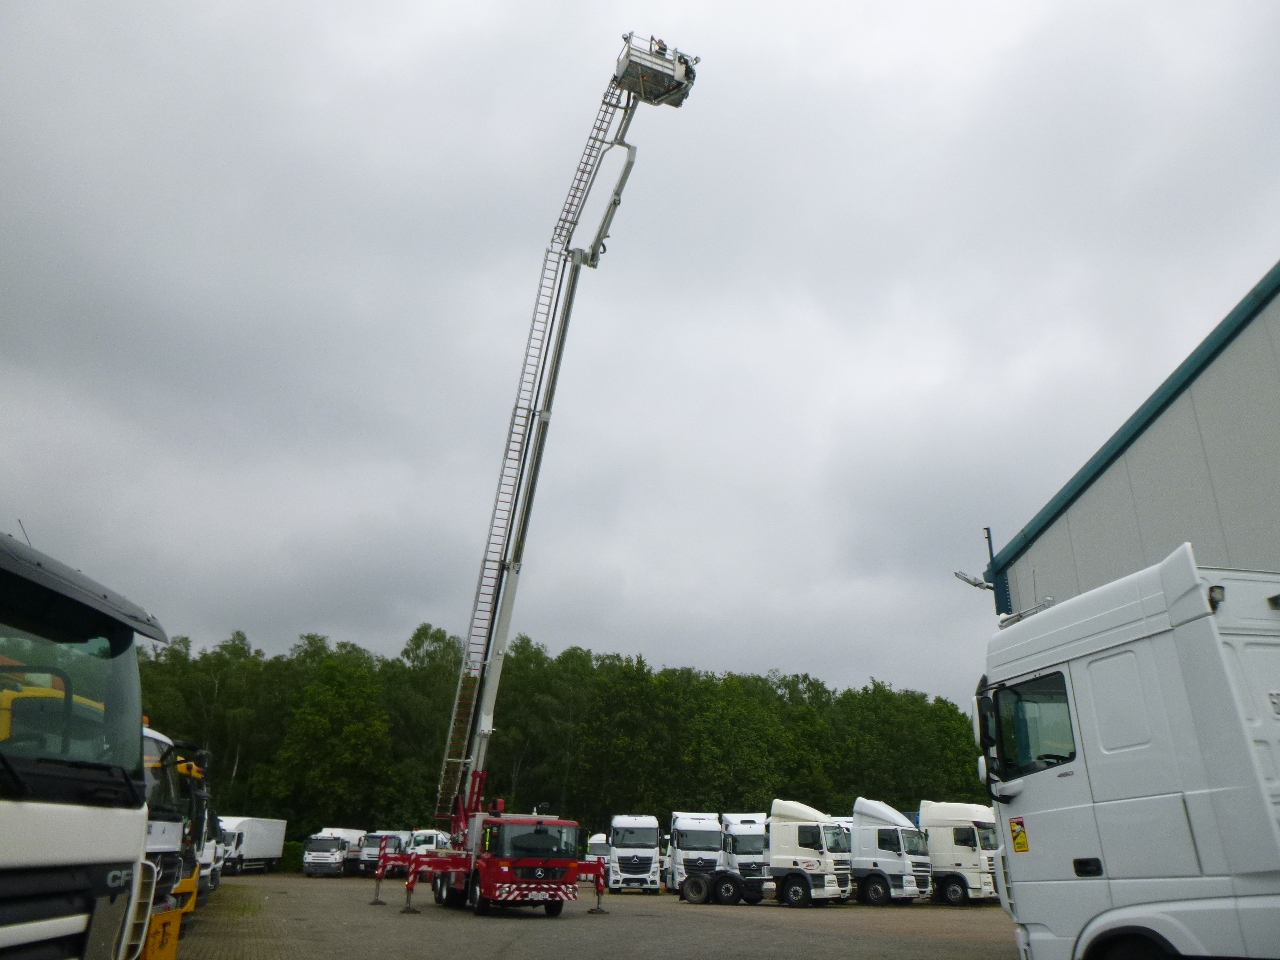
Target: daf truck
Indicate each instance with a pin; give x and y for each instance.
(890, 856)
(962, 843)
(1131, 743)
(634, 859)
(74, 877)
(808, 855)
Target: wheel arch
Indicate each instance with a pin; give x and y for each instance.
(1098, 944)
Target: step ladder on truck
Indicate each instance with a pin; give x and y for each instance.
(499, 858)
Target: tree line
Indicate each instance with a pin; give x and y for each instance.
(331, 734)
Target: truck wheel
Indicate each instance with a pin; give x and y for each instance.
(795, 893)
(453, 897)
(554, 907)
(697, 889)
(478, 903)
(727, 892)
(1134, 948)
(955, 893)
(875, 892)
(438, 891)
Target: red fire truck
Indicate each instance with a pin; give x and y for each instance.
(500, 858)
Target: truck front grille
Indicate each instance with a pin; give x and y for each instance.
(539, 873)
(635, 866)
(699, 864)
(46, 914)
(168, 872)
(751, 870)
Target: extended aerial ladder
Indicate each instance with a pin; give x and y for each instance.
(647, 72)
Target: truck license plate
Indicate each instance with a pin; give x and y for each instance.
(539, 895)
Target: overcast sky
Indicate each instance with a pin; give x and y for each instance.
(892, 274)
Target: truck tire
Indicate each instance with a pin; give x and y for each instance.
(478, 903)
(795, 892)
(554, 907)
(1133, 948)
(439, 892)
(875, 892)
(453, 897)
(726, 891)
(697, 889)
(955, 893)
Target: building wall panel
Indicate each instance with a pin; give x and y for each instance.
(1173, 494)
(1105, 540)
(1048, 566)
(1237, 405)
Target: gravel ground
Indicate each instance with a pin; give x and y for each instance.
(288, 916)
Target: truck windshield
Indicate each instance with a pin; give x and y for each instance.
(987, 835)
(535, 840)
(323, 845)
(836, 837)
(598, 849)
(635, 836)
(70, 707)
(746, 846)
(699, 839)
(913, 843)
(162, 789)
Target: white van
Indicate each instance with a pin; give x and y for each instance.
(962, 847)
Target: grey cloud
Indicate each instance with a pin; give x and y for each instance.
(890, 276)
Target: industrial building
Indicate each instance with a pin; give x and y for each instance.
(1198, 462)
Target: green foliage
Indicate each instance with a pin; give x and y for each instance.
(332, 735)
(291, 857)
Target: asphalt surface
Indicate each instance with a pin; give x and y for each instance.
(288, 916)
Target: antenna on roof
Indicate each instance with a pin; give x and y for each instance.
(24, 533)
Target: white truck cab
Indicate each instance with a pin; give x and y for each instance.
(428, 840)
(890, 857)
(334, 852)
(808, 854)
(1131, 743)
(397, 842)
(745, 851)
(694, 848)
(634, 859)
(962, 847)
(164, 814)
(597, 849)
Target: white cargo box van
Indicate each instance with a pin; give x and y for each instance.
(254, 843)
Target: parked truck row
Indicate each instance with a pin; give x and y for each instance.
(800, 855)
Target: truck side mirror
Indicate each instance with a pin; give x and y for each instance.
(986, 722)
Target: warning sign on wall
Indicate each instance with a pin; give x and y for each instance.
(1018, 831)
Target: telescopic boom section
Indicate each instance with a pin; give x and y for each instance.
(647, 72)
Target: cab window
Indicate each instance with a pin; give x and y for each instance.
(809, 837)
(888, 840)
(1034, 726)
(964, 837)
